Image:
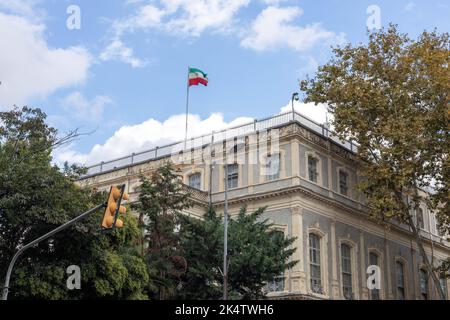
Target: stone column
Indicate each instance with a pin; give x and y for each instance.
(334, 294)
(362, 253)
(295, 161)
(298, 275)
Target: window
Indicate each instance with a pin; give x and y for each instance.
(400, 275)
(276, 285)
(232, 175)
(343, 182)
(374, 261)
(272, 166)
(312, 168)
(420, 221)
(346, 265)
(423, 276)
(194, 180)
(439, 230)
(443, 282)
(314, 263)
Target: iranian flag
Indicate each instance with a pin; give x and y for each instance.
(197, 76)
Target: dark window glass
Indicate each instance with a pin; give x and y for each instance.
(276, 285)
(420, 220)
(312, 168)
(272, 167)
(400, 275)
(346, 265)
(443, 282)
(314, 261)
(233, 176)
(194, 180)
(343, 180)
(423, 276)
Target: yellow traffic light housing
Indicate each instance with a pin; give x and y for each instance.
(114, 207)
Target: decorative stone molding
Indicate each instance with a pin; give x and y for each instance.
(354, 250)
(315, 229)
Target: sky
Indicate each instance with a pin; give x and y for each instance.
(118, 69)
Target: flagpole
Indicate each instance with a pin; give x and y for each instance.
(187, 110)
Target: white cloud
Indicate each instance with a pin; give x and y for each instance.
(273, 2)
(147, 16)
(119, 52)
(318, 112)
(178, 17)
(151, 133)
(146, 135)
(199, 15)
(24, 8)
(274, 28)
(88, 110)
(29, 67)
(184, 17)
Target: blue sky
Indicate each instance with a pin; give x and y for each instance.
(122, 74)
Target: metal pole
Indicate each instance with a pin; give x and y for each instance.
(34, 242)
(187, 110)
(294, 97)
(292, 106)
(211, 166)
(225, 239)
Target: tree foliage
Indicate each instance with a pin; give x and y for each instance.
(257, 254)
(390, 96)
(36, 197)
(161, 200)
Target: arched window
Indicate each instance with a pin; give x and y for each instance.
(400, 277)
(346, 269)
(374, 260)
(315, 263)
(194, 180)
(423, 277)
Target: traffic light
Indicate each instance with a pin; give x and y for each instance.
(113, 207)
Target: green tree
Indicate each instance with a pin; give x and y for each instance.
(390, 96)
(35, 197)
(161, 200)
(257, 254)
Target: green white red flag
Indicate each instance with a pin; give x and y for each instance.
(197, 76)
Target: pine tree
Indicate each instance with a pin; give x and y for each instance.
(257, 254)
(161, 200)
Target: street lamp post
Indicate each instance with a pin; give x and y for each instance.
(225, 238)
(294, 97)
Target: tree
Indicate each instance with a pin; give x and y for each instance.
(390, 97)
(36, 197)
(161, 200)
(257, 252)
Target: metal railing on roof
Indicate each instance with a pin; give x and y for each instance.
(225, 134)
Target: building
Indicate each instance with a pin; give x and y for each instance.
(307, 179)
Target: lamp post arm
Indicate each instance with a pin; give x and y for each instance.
(36, 241)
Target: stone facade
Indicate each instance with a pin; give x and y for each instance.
(300, 207)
